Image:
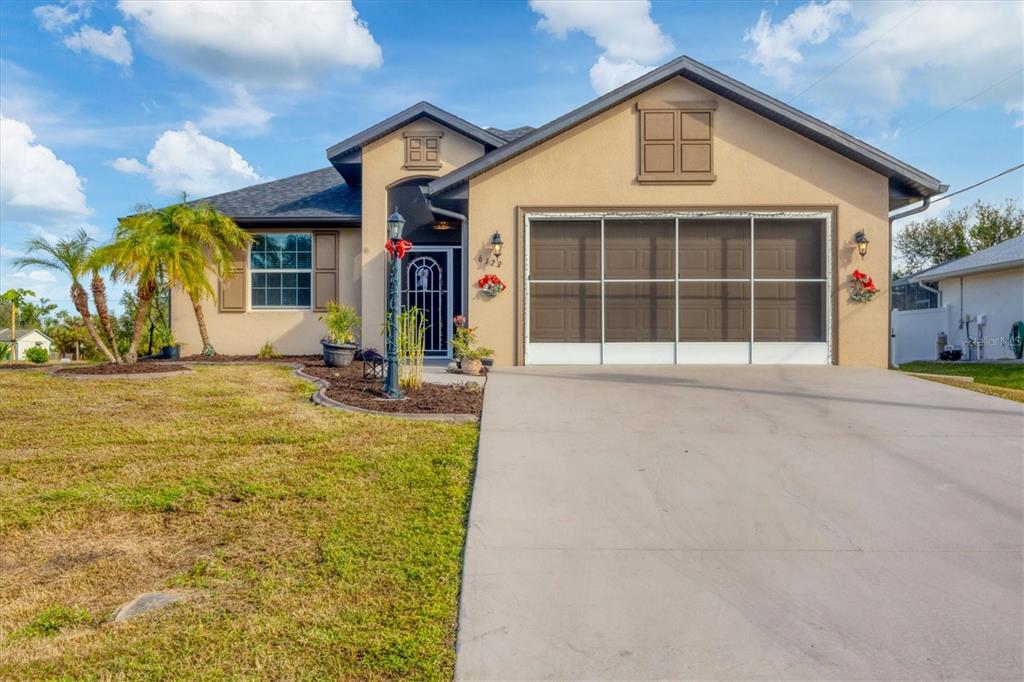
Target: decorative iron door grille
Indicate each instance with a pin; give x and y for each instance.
(426, 284)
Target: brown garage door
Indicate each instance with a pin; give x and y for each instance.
(722, 288)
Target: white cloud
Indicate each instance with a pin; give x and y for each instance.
(941, 52)
(243, 115)
(43, 276)
(270, 43)
(6, 252)
(777, 46)
(131, 166)
(607, 74)
(56, 18)
(34, 184)
(623, 29)
(188, 161)
(113, 46)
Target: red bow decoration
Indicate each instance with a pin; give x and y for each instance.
(858, 275)
(398, 247)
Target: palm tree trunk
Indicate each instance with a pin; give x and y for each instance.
(81, 302)
(144, 296)
(99, 297)
(197, 306)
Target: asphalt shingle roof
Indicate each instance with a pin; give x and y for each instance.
(512, 134)
(319, 194)
(1007, 254)
(5, 334)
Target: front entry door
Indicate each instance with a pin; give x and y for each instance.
(427, 285)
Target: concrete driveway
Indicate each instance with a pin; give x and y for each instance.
(743, 523)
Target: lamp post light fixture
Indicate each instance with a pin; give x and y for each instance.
(391, 389)
(862, 242)
(496, 243)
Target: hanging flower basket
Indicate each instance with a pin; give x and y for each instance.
(491, 285)
(862, 287)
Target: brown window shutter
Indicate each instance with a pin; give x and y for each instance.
(423, 150)
(325, 274)
(231, 289)
(676, 142)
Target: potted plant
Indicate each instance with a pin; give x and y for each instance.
(170, 350)
(465, 348)
(340, 343)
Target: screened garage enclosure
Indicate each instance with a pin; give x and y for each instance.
(696, 288)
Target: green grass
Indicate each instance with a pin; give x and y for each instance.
(999, 379)
(994, 374)
(311, 543)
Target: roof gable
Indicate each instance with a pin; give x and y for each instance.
(906, 183)
(489, 140)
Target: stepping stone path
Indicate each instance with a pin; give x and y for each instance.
(146, 602)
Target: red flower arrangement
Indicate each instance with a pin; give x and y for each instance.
(862, 287)
(491, 285)
(398, 247)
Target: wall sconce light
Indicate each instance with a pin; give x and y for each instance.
(862, 242)
(496, 243)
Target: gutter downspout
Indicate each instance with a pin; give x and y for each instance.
(892, 218)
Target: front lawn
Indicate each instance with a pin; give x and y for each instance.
(311, 543)
(1006, 379)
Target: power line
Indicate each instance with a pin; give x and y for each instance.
(859, 52)
(979, 184)
(972, 97)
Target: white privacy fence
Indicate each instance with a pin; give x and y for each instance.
(915, 333)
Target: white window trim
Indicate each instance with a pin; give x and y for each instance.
(280, 308)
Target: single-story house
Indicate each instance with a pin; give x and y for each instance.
(681, 218)
(25, 339)
(982, 296)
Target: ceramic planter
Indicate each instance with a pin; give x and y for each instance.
(471, 366)
(171, 352)
(338, 354)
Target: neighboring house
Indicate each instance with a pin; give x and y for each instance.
(683, 217)
(910, 295)
(25, 339)
(981, 297)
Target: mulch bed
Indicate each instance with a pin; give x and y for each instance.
(347, 385)
(301, 359)
(154, 367)
(21, 365)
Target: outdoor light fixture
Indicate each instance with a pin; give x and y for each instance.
(862, 242)
(395, 224)
(396, 247)
(496, 243)
(441, 225)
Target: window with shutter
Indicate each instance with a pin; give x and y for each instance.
(423, 150)
(676, 142)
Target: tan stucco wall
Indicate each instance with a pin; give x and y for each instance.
(759, 165)
(291, 331)
(383, 162)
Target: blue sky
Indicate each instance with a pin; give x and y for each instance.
(108, 105)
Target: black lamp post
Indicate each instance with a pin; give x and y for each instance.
(395, 224)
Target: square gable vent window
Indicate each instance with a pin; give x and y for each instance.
(423, 150)
(676, 142)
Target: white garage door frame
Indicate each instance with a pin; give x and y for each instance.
(751, 352)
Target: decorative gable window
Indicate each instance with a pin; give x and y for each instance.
(676, 142)
(423, 150)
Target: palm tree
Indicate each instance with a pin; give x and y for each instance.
(71, 256)
(142, 252)
(217, 235)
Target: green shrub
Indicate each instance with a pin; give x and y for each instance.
(37, 354)
(342, 322)
(5, 351)
(268, 352)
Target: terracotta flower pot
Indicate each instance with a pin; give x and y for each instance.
(471, 366)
